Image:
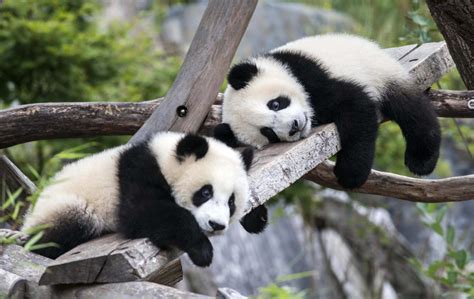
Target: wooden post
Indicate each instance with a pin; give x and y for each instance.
(189, 100)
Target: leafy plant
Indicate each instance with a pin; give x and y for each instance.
(450, 270)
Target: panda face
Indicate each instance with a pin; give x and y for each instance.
(264, 103)
(206, 177)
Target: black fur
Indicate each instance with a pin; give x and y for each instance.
(270, 134)
(241, 74)
(418, 121)
(148, 209)
(256, 220)
(68, 229)
(247, 157)
(192, 145)
(224, 133)
(346, 104)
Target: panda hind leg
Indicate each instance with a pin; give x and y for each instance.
(416, 117)
(68, 228)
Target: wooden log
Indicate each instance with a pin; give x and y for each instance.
(113, 259)
(455, 22)
(452, 103)
(19, 270)
(402, 187)
(226, 293)
(187, 103)
(14, 177)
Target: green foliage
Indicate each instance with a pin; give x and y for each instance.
(54, 51)
(279, 291)
(450, 270)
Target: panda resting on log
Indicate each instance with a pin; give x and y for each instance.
(336, 78)
(175, 189)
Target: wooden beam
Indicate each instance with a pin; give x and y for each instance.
(452, 103)
(13, 177)
(114, 259)
(203, 71)
(402, 187)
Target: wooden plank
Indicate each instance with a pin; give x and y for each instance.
(14, 177)
(113, 259)
(19, 270)
(205, 65)
(428, 63)
(400, 52)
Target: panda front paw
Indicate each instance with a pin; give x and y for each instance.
(201, 253)
(256, 220)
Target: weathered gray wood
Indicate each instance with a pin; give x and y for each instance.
(19, 270)
(277, 166)
(113, 259)
(428, 63)
(402, 187)
(14, 177)
(205, 65)
(226, 293)
(120, 290)
(455, 22)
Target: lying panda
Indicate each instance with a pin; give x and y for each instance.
(175, 189)
(336, 78)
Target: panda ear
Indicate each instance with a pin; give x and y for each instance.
(224, 133)
(241, 74)
(192, 144)
(256, 220)
(247, 157)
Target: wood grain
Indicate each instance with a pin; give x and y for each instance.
(205, 65)
(113, 259)
(453, 103)
(455, 22)
(402, 187)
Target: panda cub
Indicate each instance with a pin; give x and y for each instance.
(174, 189)
(336, 78)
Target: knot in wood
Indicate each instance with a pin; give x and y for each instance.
(182, 111)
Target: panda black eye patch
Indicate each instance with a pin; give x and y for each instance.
(278, 103)
(270, 134)
(202, 195)
(232, 204)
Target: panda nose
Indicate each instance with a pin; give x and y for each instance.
(216, 226)
(295, 128)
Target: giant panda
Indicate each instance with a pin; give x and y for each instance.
(340, 78)
(175, 189)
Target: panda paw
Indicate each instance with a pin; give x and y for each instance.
(350, 178)
(256, 220)
(201, 253)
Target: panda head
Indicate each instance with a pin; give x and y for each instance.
(206, 177)
(264, 103)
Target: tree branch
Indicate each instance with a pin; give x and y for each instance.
(402, 187)
(65, 120)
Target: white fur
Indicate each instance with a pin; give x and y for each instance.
(352, 58)
(344, 56)
(92, 184)
(221, 167)
(246, 109)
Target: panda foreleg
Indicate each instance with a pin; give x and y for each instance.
(167, 224)
(415, 115)
(356, 122)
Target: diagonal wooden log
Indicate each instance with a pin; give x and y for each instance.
(189, 100)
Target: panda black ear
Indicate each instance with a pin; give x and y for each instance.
(256, 220)
(247, 157)
(241, 74)
(192, 144)
(224, 133)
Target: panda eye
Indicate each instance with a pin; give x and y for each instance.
(232, 204)
(202, 195)
(278, 103)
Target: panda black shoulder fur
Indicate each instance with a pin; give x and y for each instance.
(336, 78)
(175, 189)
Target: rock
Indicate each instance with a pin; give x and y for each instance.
(272, 24)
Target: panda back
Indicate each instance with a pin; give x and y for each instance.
(352, 58)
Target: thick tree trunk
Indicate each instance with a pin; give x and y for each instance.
(455, 20)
